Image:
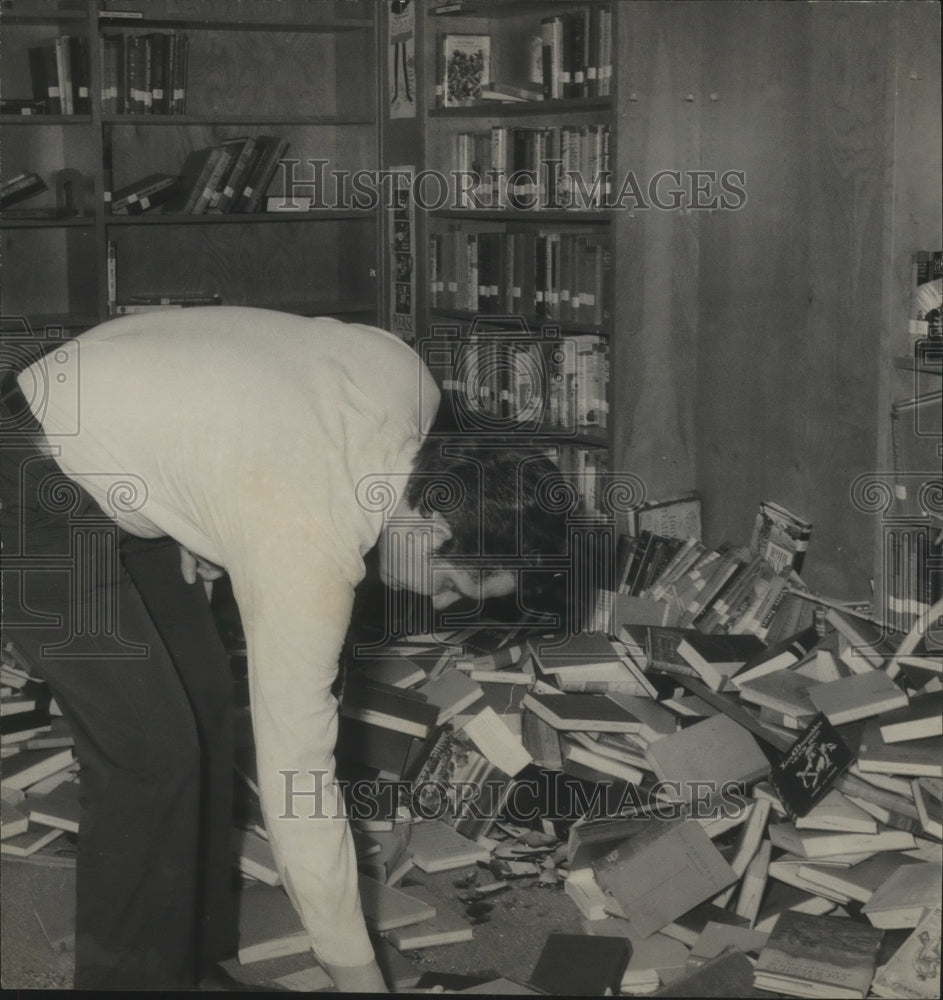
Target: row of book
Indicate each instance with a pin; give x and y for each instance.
(557, 274)
(550, 167)
(144, 74)
(556, 386)
(569, 57)
(59, 73)
(228, 177)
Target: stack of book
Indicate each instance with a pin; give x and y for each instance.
(38, 792)
(751, 589)
(144, 74)
(59, 70)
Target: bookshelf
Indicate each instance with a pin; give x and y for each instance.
(293, 69)
(516, 296)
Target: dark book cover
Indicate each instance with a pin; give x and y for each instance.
(729, 974)
(809, 768)
(581, 965)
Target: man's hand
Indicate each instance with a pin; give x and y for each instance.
(192, 566)
(357, 978)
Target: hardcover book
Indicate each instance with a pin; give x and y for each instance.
(913, 972)
(807, 770)
(466, 68)
(662, 871)
(913, 758)
(857, 697)
(815, 955)
(581, 965)
(717, 657)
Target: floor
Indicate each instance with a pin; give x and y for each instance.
(507, 944)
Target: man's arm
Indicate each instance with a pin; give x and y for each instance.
(295, 612)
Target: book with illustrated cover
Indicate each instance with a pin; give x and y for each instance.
(807, 770)
(465, 68)
(913, 971)
(780, 536)
(441, 779)
(809, 955)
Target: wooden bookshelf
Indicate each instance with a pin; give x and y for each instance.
(554, 328)
(295, 69)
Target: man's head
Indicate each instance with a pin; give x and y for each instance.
(475, 511)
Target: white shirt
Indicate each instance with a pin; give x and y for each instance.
(244, 434)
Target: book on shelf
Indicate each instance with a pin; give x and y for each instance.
(144, 74)
(464, 68)
(140, 196)
(510, 92)
(818, 956)
(21, 186)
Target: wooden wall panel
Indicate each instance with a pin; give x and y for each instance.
(655, 263)
(753, 359)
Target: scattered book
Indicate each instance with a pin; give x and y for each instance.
(921, 719)
(662, 871)
(59, 808)
(716, 658)
(584, 712)
(780, 537)
(435, 847)
(901, 899)
(444, 928)
(268, 925)
(581, 965)
(857, 697)
(806, 772)
(810, 955)
(913, 971)
(707, 756)
(386, 908)
(914, 758)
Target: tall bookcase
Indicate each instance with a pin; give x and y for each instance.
(516, 297)
(295, 69)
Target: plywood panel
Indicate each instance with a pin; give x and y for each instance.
(655, 262)
(753, 356)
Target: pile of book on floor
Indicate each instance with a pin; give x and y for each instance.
(228, 177)
(38, 786)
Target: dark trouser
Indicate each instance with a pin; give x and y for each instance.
(153, 734)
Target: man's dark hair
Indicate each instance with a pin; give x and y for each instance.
(498, 502)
